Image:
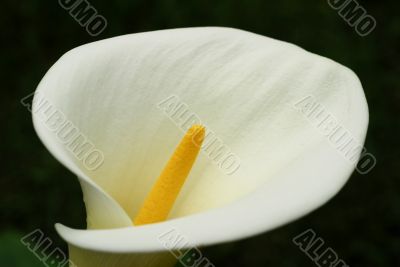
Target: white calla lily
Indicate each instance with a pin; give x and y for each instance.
(243, 86)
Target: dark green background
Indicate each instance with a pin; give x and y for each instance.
(361, 223)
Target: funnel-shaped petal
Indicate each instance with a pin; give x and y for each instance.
(243, 87)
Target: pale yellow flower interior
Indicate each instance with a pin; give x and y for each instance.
(242, 89)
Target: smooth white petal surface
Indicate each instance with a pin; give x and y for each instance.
(243, 86)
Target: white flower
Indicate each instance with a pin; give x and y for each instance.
(244, 87)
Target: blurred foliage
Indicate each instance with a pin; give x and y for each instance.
(14, 253)
(361, 223)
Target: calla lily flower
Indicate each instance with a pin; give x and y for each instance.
(243, 87)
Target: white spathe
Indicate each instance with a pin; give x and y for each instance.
(243, 87)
